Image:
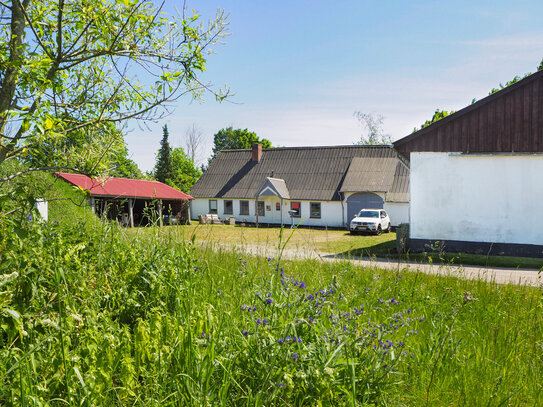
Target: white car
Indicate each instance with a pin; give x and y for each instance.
(370, 220)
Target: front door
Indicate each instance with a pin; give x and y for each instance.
(260, 208)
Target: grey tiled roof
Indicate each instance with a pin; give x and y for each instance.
(310, 173)
(370, 174)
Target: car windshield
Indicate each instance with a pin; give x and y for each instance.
(368, 214)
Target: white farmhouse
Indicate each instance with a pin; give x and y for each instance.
(477, 175)
(318, 186)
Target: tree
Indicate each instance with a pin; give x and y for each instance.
(124, 167)
(78, 66)
(163, 167)
(185, 172)
(540, 67)
(230, 139)
(89, 150)
(438, 115)
(193, 143)
(374, 129)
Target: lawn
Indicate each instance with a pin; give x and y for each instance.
(338, 242)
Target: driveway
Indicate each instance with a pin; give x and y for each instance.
(499, 275)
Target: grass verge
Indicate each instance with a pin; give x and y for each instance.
(97, 316)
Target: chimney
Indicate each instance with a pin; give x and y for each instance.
(257, 152)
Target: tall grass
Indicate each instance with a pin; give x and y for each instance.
(91, 316)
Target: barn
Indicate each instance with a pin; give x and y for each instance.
(477, 175)
(132, 202)
(318, 186)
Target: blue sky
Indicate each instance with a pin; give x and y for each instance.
(299, 69)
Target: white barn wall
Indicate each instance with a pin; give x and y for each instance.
(477, 198)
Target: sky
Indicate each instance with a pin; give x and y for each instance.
(298, 70)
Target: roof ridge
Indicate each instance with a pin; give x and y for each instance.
(369, 146)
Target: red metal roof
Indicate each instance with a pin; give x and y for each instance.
(124, 187)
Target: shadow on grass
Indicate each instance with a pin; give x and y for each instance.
(383, 249)
(387, 250)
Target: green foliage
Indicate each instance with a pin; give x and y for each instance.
(93, 150)
(509, 83)
(438, 115)
(185, 172)
(163, 167)
(93, 317)
(540, 67)
(72, 69)
(124, 167)
(233, 139)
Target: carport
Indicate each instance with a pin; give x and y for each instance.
(132, 202)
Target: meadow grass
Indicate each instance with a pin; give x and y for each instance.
(337, 242)
(99, 315)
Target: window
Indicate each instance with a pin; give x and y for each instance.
(296, 208)
(212, 206)
(278, 206)
(244, 207)
(315, 210)
(260, 208)
(228, 208)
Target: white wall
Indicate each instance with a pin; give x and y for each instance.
(398, 212)
(477, 198)
(42, 206)
(331, 213)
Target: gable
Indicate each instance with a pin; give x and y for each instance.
(510, 120)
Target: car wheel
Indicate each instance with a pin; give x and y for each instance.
(388, 229)
(379, 230)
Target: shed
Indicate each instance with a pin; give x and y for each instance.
(132, 201)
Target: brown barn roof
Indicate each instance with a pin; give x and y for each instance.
(510, 120)
(310, 173)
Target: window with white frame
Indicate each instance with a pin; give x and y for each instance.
(315, 210)
(244, 207)
(213, 206)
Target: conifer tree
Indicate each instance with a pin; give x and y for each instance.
(163, 167)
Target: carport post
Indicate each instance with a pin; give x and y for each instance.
(131, 211)
(160, 223)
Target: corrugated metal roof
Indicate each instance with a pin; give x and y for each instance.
(310, 173)
(399, 191)
(123, 187)
(370, 174)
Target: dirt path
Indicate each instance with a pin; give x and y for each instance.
(498, 275)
